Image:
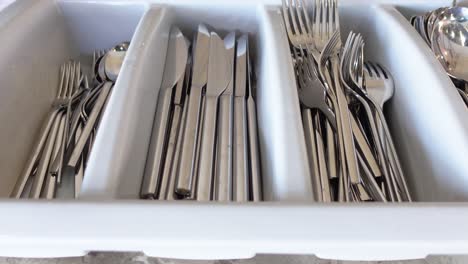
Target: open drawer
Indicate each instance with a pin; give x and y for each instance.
(428, 123)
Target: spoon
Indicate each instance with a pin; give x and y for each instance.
(109, 65)
(449, 41)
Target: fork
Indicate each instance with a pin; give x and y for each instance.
(72, 93)
(313, 95)
(33, 159)
(375, 77)
(64, 95)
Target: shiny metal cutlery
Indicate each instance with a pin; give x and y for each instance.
(219, 75)
(241, 177)
(186, 168)
(174, 69)
(224, 182)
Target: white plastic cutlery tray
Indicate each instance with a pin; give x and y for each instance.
(428, 120)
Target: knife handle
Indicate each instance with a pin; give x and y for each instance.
(224, 160)
(155, 158)
(186, 170)
(254, 153)
(322, 165)
(240, 144)
(207, 157)
(240, 160)
(164, 189)
(171, 195)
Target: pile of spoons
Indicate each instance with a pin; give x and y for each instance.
(56, 165)
(204, 143)
(445, 30)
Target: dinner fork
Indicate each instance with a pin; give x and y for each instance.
(64, 95)
(313, 95)
(380, 76)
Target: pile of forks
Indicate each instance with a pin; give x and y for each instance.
(56, 165)
(351, 154)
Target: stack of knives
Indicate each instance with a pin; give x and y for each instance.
(204, 143)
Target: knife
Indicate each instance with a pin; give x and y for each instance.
(240, 144)
(224, 160)
(254, 153)
(186, 170)
(167, 179)
(219, 77)
(176, 60)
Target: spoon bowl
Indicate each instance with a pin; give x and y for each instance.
(113, 60)
(449, 41)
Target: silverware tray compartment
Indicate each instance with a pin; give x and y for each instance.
(426, 114)
(281, 139)
(39, 37)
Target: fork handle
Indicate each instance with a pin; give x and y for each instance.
(365, 148)
(44, 161)
(348, 142)
(21, 182)
(88, 128)
(309, 133)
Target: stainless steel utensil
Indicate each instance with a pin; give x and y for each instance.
(176, 61)
(186, 169)
(225, 186)
(219, 76)
(448, 41)
(254, 151)
(240, 138)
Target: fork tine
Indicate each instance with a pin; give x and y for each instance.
(323, 22)
(371, 70)
(331, 28)
(67, 79)
(336, 17)
(332, 43)
(62, 79)
(326, 19)
(347, 54)
(307, 20)
(316, 19)
(367, 69)
(86, 83)
(286, 19)
(78, 78)
(374, 70)
(72, 80)
(293, 19)
(382, 71)
(299, 13)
